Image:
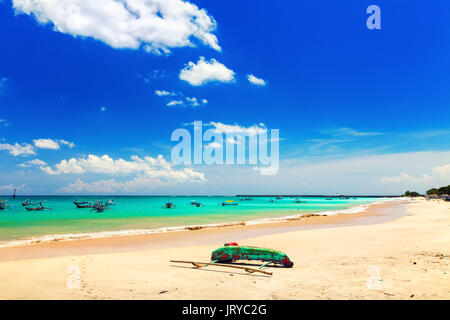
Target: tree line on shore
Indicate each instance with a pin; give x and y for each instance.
(437, 191)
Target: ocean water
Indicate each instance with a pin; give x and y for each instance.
(148, 213)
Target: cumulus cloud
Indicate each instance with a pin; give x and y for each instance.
(214, 145)
(34, 162)
(136, 185)
(149, 167)
(180, 99)
(46, 144)
(67, 143)
(256, 81)
(194, 102)
(52, 144)
(237, 129)
(439, 173)
(16, 149)
(442, 171)
(155, 25)
(25, 149)
(405, 178)
(162, 93)
(206, 71)
(174, 103)
(37, 162)
(3, 122)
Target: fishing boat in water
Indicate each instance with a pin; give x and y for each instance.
(83, 204)
(228, 203)
(100, 206)
(169, 205)
(26, 203)
(4, 205)
(196, 204)
(40, 207)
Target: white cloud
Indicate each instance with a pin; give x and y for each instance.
(162, 93)
(156, 25)
(182, 100)
(439, 173)
(237, 129)
(17, 149)
(34, 162)
(67, 143)
(405, 178)
(52, 144)
(3, 122)
(232, 140)
(349, 132)
(11, 187)
(37, 162)
(46, 144)
(149, 167)
(194, 102)
(256, 81)
(214, 145)
(206, 71)
(174, 103)
(442, 171)
(137, 185)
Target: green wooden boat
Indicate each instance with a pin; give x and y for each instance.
(233, 252)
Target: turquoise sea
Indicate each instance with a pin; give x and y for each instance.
(142, 212)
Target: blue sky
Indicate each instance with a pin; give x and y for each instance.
(365, 110)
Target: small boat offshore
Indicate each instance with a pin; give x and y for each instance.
(228, 203)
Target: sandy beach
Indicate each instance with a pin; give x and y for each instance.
(396, 250)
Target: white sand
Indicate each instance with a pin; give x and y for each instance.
(411, 253)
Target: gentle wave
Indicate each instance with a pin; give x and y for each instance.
(136, 232)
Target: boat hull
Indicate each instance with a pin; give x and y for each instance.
(233, 253)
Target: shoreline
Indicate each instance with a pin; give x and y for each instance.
(144, 231)
(142, 239)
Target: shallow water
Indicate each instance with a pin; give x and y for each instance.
(140, 212)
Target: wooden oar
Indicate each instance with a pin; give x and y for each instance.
(204, 264)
